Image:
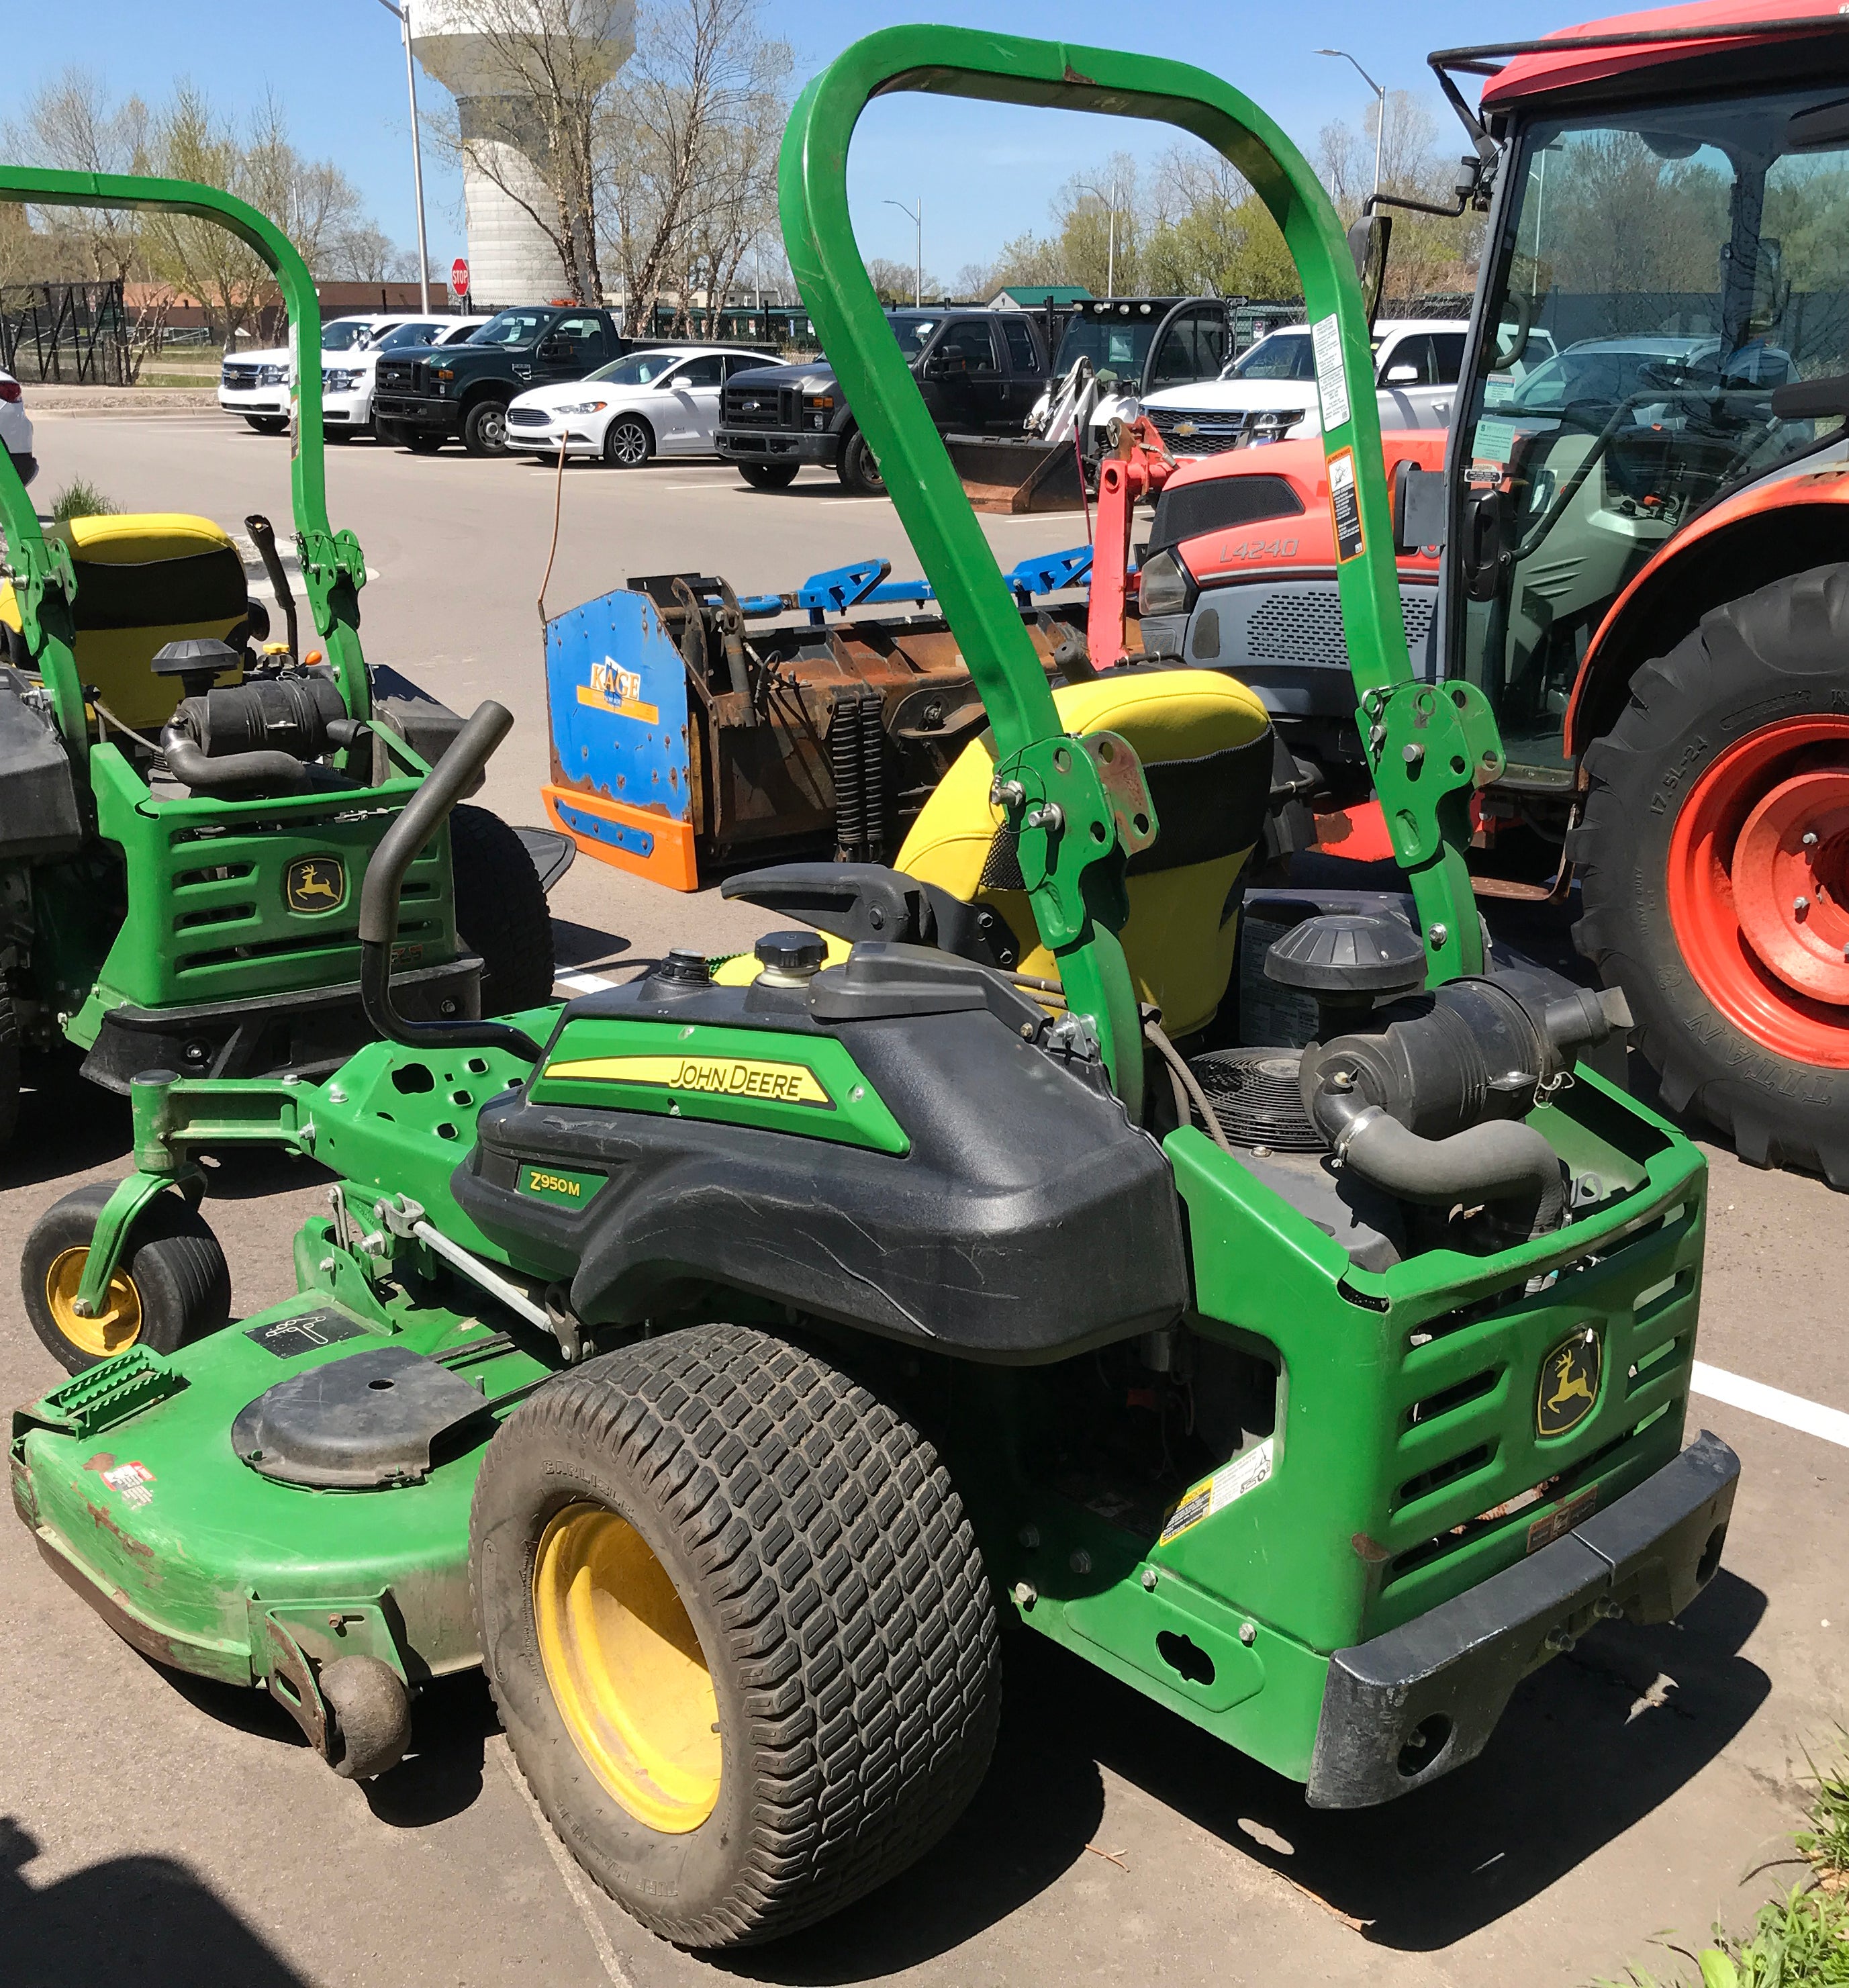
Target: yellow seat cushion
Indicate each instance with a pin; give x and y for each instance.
(145, 579)
(1181, 939)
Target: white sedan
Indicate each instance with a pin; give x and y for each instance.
(664, 401)
(16, 428)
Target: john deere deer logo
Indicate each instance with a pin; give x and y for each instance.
(1568, 1384)
(316, 884)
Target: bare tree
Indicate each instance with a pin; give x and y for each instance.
(73, 125)
(687, 150)
(1429, 252)
(313, 203)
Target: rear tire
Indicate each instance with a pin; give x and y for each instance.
(484, 429)
(268, 424)
(795, 1563)
(173, 1286)
(1692, 869)
(768, 475)
(858, 471)
(627, 443)
(500, 912)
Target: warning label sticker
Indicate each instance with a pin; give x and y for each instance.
(1232, 1481)
(1331, 381)
(1345, 505)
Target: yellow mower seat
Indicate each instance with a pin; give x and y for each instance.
(143, 581)
(1205, 745)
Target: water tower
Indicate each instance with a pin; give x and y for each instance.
(466, 45)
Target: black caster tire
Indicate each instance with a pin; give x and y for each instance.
(173, 1286)
(738, 1628)
(500, 912)
(368, 1716)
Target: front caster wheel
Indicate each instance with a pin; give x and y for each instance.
(738, 1628)
(173, 1285)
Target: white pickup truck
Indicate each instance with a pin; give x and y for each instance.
(256, 384)
(1270, 393)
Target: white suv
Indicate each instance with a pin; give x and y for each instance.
(256, 384)
(347, 377)
(16, 428)
(1270, 395)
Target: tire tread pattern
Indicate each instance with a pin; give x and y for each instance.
(500, 912)
(837, 1558)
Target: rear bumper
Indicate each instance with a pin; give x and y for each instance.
(1424, 1698)
(778, 445)
(310, 1031)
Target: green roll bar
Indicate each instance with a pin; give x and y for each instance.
(333, 569)
(1427, 743)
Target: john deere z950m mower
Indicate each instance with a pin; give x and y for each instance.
(187, 810)
(717, 1359)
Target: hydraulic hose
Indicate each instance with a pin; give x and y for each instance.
(398, 847)
(189, 763)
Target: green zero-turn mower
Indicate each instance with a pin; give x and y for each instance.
(715, 1359)
(187, 810)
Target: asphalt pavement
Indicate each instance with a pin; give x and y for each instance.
(155, 1830)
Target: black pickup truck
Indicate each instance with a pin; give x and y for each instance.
(980, 372)
(424, 395)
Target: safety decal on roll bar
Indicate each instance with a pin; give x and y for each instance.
(1246, 1472)
(1345, 505)
(1331, 381)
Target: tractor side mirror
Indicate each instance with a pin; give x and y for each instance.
(1418, 507)
(1368, 241)
(1811, 399)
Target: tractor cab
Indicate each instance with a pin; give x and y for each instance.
(1663, 287)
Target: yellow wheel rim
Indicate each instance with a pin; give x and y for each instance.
(116, 1328)
(625, 1669)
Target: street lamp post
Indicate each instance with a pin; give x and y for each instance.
(417, 149)
(1380, 124)
(917, 221)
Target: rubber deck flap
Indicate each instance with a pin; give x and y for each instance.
(374, 1418)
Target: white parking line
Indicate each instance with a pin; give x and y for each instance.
(1773, 1404)
(1812, 1418)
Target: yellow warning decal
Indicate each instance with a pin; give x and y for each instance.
(718, 1077)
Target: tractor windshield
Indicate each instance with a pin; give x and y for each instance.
(1661, 270)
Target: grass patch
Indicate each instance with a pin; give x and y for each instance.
(1799, 1941)
(81, 498)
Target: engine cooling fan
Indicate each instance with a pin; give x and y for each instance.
(1255, 1095)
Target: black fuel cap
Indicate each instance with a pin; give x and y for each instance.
(791, 951)
(1348, 952)
(684, 966)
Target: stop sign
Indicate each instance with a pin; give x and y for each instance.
(459, 277)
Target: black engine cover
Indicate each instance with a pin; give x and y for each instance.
(1029, 1222)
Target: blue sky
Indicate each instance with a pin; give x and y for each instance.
(984, 172)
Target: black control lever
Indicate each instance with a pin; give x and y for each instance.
(263, 536)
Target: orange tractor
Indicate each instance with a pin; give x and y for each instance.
(1643, 508)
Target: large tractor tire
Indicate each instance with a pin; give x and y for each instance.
(500, 912)
(1715, 860)
(173, 1286)
(738, 1629)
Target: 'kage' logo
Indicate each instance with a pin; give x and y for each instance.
(315, 884)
